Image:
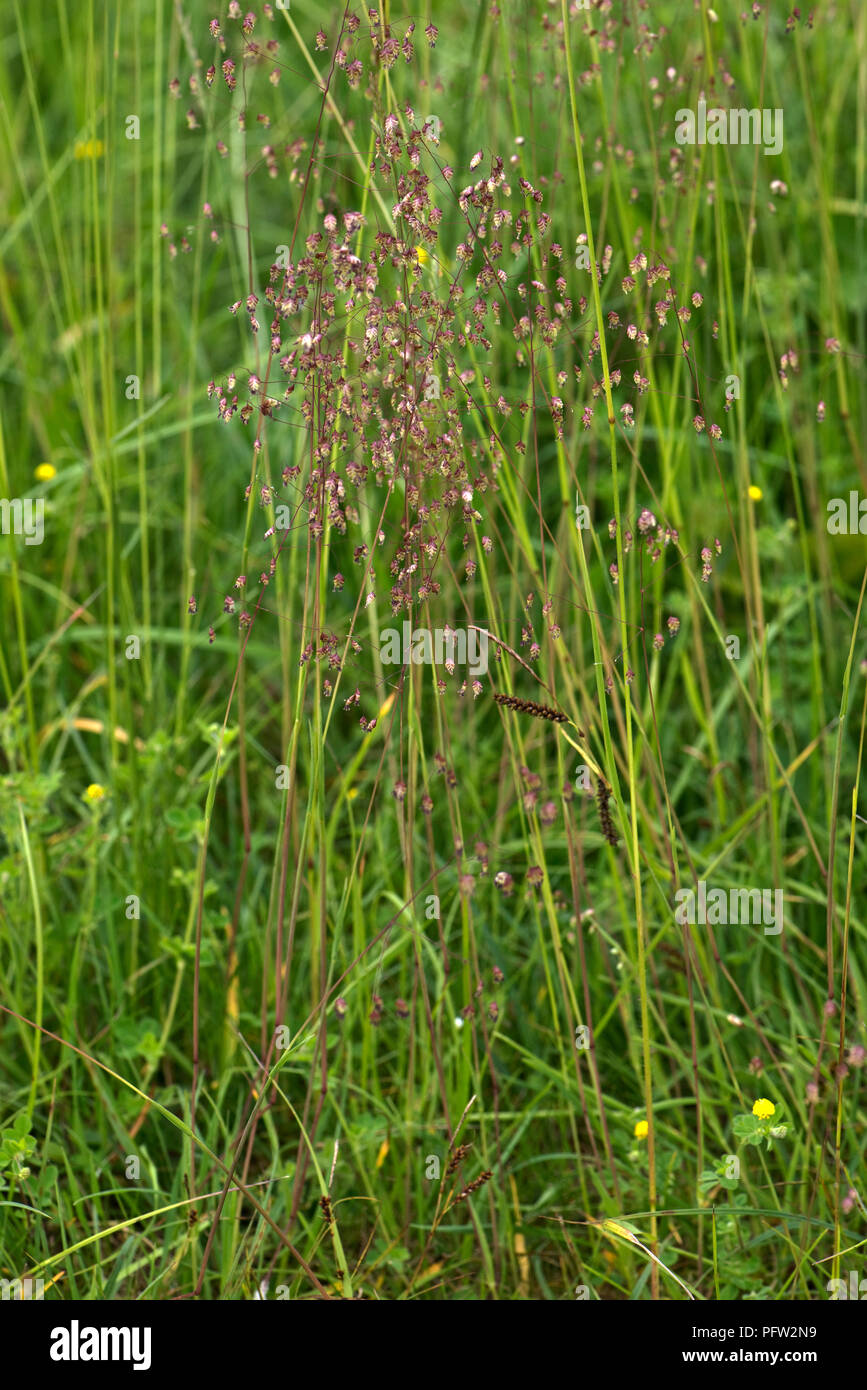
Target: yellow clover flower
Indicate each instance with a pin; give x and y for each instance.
(45, 472)
(754, 493)
(641, 1129)
(94, 793)
(763, 1109)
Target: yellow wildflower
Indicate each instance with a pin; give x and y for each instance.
(763, 1109)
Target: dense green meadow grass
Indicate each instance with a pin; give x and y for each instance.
(324, 973)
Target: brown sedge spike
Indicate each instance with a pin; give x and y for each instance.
(603, 793)
(530, 707)
(457, 1158)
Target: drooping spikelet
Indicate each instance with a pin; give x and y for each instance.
(530, 707)
(603, 793)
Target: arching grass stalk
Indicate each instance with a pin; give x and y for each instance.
(624, 637)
